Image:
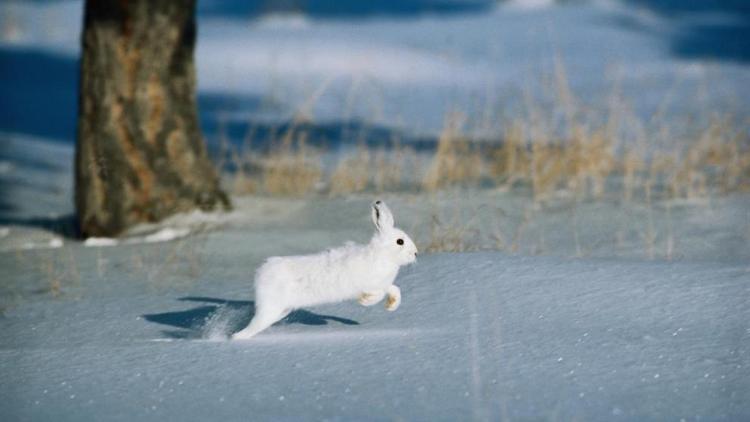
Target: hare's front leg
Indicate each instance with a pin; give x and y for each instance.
(370, 298)
(394, 298)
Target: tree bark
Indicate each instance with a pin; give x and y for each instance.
(140, 156)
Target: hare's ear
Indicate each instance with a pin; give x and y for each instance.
(381, 216)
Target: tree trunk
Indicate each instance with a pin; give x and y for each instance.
(140, 156)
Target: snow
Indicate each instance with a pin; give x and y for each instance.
(166, 234)
(480, 336)
(30, 245)
(407, 74)
(100, 241)
(137, 330)
(528, 4)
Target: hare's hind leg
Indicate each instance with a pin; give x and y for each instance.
(394, 298)
(370, 298)
(264, 318)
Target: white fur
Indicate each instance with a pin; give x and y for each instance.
(351, 271)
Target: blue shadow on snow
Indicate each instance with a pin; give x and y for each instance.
(338, 9)
(724, 37)
(192, 323)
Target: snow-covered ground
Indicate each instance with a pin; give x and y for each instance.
(480, 336)
(139, 330)
(631, 311)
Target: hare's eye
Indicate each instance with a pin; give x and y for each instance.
(400, 241)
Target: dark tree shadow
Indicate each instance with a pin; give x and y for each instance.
(349, 9)
(682, 7)
(6, 204)
(723, 37)
(39, 93)
(228, 317)
(64, 226)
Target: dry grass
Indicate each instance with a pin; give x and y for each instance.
(718, 158)
(57, 269)
(352, 174)
(717, 161)
(380, 170)
(242, 160)
(182, 257)
(390, 168)
(632, 166)
(510, 242)
(291, 169)
(558, 145)
(456, 160)
(510, 161)
(452, 230)
(581, 164)
(556, 152)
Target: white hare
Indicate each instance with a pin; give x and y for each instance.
(352, 271)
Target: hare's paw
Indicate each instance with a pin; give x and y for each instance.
(370, 298)
(392, 303)
(394, 298)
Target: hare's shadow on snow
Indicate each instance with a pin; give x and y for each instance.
(221, 318)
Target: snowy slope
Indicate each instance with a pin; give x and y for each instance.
(478, 336)
(137, 330)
